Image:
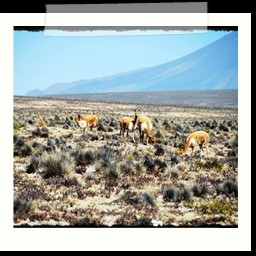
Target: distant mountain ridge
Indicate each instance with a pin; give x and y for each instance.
(212, 67)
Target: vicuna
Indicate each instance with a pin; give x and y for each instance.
(86, 122)
(199, 138)
(129, 124)
(145, 127)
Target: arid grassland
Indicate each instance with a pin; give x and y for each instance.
(63, 177)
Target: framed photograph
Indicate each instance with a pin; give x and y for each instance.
(129, 130)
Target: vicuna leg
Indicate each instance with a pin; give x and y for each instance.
(133, 137)
(205, 145)
(193, 150)
(122, 130)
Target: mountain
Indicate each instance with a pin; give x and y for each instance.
(212, 67)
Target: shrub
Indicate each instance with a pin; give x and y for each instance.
(84, 157)
(129, 197)
(170, 195)
(111, 172)
(149, 163)
(161, 164)
(176, 195)
(233, 152)
(143, 222)
(211, 164)
(21, 207)
(16, 126)
(126, 168)
(40, 122)
(138, 167)
(22, 151)
(183, 194)
(148, 199)
(200, 190)
(159, 150)
(174, 174)
(230, 188)
(175, 159)
(43, 133)
(34, 163)
(216, 206)
(58, 164)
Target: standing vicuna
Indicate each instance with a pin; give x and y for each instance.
(129, 124)
(145, 126)
(86, 122)
(199, 138)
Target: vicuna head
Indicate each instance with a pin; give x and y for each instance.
(78, 118)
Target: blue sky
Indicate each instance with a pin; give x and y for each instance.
(40, 60)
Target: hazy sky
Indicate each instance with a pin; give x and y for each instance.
(40, 60)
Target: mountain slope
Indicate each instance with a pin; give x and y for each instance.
(212, 67)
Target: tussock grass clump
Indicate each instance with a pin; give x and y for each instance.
(129, 197)
(200, 190)
(23, 151)
(183, 194)
(233, 153)
(57, 164)
(18, 141)
(143, 222)
(105, 153)
(159, 150)
(148, 199)
(229, 188)
(160, 164)
(21, 207)
(169, 194)
(138, 167)
(34, 163)
(111, 172)
(149, 163)
(176, 195)
(84, 158)
(126, 168)
(40, 132)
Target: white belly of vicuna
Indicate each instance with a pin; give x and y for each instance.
(82, 124)
(144, 127)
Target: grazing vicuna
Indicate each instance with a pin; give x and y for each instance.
(145, 126)
(86, 122)
(198, 138)
(129, 124)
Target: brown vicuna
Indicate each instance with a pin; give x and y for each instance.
(91, 122)
(199, 138)
(145, 127)
(129, 124)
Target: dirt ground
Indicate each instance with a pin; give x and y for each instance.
(63, 177)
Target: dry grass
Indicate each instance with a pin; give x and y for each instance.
(65, 177)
